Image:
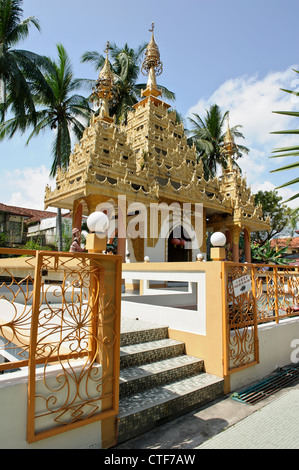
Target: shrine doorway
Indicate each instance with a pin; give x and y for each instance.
(177, 250)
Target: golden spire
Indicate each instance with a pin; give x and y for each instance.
(152, 66)
(228, 139)
(103, 90)
(229, 146)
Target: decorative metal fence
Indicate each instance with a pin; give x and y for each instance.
(62, 321)
(254, 294)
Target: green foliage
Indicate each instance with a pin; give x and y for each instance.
(208, 135)
(59, 110)
(36, 245)
(66, 239)
(19, 69)
(63, 112)
(286, 152)
(3, 239)
(266, 254)
(282, 217)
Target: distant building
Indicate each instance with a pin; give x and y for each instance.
(19, 225)
(292, 244)
(44, 230)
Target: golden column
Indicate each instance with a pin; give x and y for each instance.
(247, 245)
(236, 242)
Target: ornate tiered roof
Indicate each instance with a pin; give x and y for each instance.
(149, 160)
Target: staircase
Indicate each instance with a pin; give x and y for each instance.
(158, 381)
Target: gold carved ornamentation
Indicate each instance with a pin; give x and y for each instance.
(149, 160)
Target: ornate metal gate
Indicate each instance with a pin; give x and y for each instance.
(240, 317)
(254, 294)
(63, 321)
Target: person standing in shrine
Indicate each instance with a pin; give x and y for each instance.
(75, 246)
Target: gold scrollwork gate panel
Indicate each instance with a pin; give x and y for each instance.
(240, 318)
(254, 294)
(74, 345)
(16, 295)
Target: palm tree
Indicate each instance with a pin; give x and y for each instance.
(208, 135)
(288, 151)
(18, 68)
(126, 68)
(60, 111)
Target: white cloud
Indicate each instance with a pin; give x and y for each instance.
(285, 193)
(251, 102)
(27, 187)
(253, 164)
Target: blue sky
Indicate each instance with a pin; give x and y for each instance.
(235, 53)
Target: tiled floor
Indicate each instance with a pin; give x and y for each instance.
(131, 324)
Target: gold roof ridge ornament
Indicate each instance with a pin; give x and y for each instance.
(229, 146)
(152, 67)
(103, 90)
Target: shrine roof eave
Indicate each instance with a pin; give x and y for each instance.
(152, 99)
(210, 207)
(66, 199)
(251, 224)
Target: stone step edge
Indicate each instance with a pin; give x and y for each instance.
(133, 424)
(214, 380)
(164, 363)
(128, 338)
(150, 351)
(147, 346)
(158, 377)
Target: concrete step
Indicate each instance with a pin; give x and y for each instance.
(142, 335)
(144, 376)
(158, 381)
(147, 409)
(151, 351)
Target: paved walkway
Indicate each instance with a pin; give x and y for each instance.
(272, 423)
(275, 426)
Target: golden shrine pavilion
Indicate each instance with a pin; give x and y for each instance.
(149, 161)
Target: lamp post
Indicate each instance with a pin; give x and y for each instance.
(96, 240)
(218, 240)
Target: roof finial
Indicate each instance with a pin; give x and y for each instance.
(229, 146)
(107, 48)
(152, 66)
(103, 90)
(228, 139)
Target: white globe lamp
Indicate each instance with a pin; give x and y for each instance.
(218, 240)
(98, 223)
(96, 240)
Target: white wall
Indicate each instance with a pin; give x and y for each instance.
(276, 345)
(13, 420)
(159, 307)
